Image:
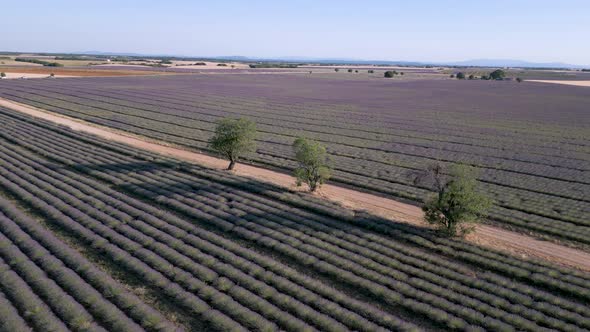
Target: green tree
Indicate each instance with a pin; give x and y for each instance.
(350, 70)
(312, 158)
(456, 203)
(497, 74)
(390, 73)
(233, 138)
(371, 71)
(460, 76)
(2, 74)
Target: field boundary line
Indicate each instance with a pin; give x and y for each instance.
(485, 235)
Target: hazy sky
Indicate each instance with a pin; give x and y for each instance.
(422, 30)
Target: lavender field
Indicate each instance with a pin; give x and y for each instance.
(99, 236)
(531, 141)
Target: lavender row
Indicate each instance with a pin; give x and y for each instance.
(140, 225)
(93, 153)
(541, 224)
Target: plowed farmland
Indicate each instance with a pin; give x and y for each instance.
(529, 140)
(95, 235)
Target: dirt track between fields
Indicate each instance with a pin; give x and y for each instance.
(33, 71)
(514, 243)
(574, 83)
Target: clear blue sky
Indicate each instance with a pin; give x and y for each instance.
(422, 30)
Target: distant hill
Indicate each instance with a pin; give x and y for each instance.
(511, 63)
(345, 61)
(466, 63)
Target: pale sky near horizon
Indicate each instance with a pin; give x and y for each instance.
(419, 30)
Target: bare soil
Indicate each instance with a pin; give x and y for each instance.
(575, 83)
(485, 235)
(19, 75)
(64, 71)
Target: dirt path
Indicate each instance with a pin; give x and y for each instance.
(520, 245)
(575, 83)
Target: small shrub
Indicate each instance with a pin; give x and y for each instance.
(371, 71)
(350, 70)
(519, 80)
(336, 69)
(452, 76)
(460, 76)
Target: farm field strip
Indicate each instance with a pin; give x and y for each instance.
(310, 111)
(32, 252)
(223, 109)
(549, 199)
(541, 224)
(548, 226)
(539, 190)
(91, 151)
(310, 108)
(330, 323)
(413, 272)
(222, 103)
(182, 125)
(170, 101)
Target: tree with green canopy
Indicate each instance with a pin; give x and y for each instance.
(313, 168)
(456, 205)
(497, 74)
(234, 138)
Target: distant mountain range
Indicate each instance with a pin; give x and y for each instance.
(512, 63)
(466, 63)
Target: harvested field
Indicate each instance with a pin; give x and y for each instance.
(234, 254)
(533, 160)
